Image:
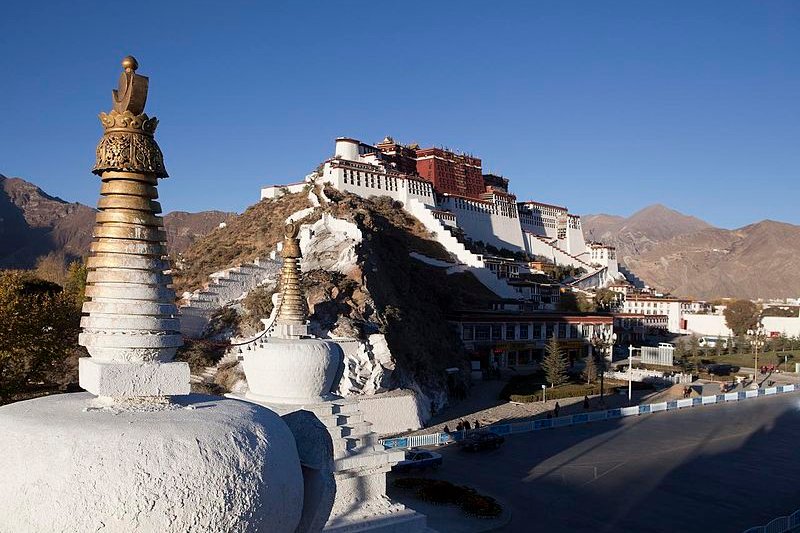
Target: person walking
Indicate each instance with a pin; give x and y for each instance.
(586, 403)
(466, 425)
(477, 424)
(446, 429)
(460, 426)
(556, 409)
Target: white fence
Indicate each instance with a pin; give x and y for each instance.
(660, 355)
(782, 524)
(432, 439)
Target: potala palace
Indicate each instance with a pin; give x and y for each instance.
(467, 211)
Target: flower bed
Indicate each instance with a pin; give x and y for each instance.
(442, 492)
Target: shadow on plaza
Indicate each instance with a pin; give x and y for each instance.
(716, 469)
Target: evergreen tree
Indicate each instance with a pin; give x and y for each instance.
(590, 368)
(554, 363)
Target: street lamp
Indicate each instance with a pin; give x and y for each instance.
(756, 340)
(544, 393)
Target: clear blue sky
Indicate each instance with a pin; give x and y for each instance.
(602, 106)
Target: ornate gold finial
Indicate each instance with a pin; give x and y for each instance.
(132, 92)
(129, 63)
(128, 144)
(293, 308)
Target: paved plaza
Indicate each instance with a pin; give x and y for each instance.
(719, 468)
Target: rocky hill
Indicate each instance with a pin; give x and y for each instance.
(688, 257)
(382, 293)
(34, 224)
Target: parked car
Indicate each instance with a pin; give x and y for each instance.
(722, 369)
(418, 460)
(481, 440)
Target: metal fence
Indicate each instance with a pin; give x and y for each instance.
(782, 524)
(433, 439)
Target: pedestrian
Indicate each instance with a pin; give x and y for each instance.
(446, 429)
(466, 425)
(460, 426)
(586, 403)
(556, 409)
(477, 424)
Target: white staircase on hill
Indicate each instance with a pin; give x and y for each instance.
(225, 287)
(473, 261)
(546, 247)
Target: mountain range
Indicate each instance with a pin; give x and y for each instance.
(689, 257)
(34, 224)
(658, 246)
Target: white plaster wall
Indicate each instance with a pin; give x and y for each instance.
(393, 412)
(495, 229)
(576, 245)
(560, 257)
(711, 325)
(786, 325)
(275, 191)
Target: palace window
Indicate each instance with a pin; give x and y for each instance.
(523, 331)
(482, 333)
(510, 331)
(537, 331)
(469, 333)
(497, 332)
(562, 330)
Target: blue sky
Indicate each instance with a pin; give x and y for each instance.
(600, 106)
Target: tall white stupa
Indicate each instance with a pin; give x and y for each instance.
(138, 452)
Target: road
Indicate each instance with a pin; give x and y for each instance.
(719, 468)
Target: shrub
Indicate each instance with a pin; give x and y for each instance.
(441, 492)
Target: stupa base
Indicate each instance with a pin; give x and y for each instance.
(123, 380)
(204, 464)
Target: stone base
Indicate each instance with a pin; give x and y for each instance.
(358, 468)
(291, 331)
(203, 464)
(122, 380)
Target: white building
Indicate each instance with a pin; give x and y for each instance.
(673, 308)
(495, 218)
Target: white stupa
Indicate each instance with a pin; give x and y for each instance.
(140, 453)
(344, 465)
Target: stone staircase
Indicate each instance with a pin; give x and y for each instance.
(559, 253)
(225, 287)
(473, 261)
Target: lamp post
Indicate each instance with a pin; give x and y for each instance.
(756, 340)
(544, 393)
(630, 372)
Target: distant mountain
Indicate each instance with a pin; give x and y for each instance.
(688, 257)
(642, 230)
(34, 224)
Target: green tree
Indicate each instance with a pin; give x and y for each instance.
(741, 316)
(590, 368)
(554, 363)
(39, 326)
(75, 282)
(694, 351)
(606, 300)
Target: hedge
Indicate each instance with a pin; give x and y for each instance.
(438, 491)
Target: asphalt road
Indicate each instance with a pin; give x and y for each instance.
(719, 468)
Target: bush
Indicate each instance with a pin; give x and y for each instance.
(562, 391)
(441, 492)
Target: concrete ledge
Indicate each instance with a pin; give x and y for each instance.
(131, 379)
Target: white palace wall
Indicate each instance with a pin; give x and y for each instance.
(481, 222)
